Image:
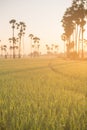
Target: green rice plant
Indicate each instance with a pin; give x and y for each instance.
(43, 94)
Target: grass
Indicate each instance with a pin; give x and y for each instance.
(43, 94)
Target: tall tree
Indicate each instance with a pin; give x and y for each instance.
(21, 26)
(13, 22)
(74, 19)
(31, 38)
(11, 46)
(36, 44)
(64, 38)
(48, 49)
(68, 26)
(0, 49)
(5, 50)
(79, 18)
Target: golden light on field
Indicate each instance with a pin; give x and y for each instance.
(42, 94)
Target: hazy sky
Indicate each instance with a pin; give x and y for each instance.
(42, 18)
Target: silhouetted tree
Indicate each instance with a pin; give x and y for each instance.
(64, 38)
(73, 20)
(13, 22)
(48, 49)
(31, 38)
(21, 26)
(13, 47)
(56, 49)
(36, 44)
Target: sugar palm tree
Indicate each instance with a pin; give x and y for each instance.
(82, 23)
(36, 44)
(13, 22)
(36, 39)
(10, 48)
(21, 26)
(73, 19)
(68, 26)
(31, 38)
(56, 48)
(16, 48)
(64, 38)
(79, 14)
(5, 50)
(48, 49)
(23, 42)
(0, 48)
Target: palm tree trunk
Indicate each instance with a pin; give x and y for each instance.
(20, 48)
(79, 42)
(31, 46)
(76, 38)
(13, 45)
(82, 43)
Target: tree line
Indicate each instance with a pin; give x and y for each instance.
(17, 42)
(73, 22)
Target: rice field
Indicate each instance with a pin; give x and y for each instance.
(43, 94)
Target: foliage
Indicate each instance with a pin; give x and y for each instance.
(73, 22)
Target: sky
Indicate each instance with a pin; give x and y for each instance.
(42, 19)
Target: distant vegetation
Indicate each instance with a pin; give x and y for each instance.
(43, 94)
(73, 21)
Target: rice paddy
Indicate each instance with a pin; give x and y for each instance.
(43, 94)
